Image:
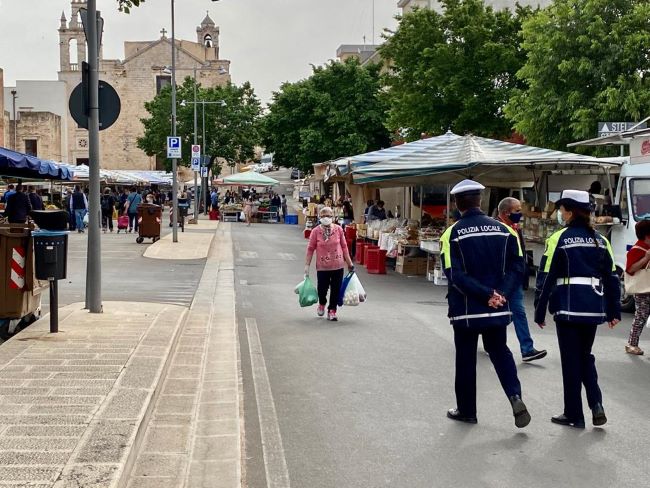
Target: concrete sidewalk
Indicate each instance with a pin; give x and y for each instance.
(143, 395)
(72, 402)
(194, 243)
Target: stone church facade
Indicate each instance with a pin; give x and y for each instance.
(137, 78)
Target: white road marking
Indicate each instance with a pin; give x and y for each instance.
(275, 464)
(243, 282)
(287, 256)
(248, 254)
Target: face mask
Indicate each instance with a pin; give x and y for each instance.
(326, 221)
(515, 218)
(560, 219)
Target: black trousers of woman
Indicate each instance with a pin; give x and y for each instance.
(329, 281)
(578, 367)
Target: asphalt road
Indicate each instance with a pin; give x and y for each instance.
(362, 402)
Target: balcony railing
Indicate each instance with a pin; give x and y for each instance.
(74, 66)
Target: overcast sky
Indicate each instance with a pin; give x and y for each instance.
(268, 41)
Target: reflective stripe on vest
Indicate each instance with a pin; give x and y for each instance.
(481, 315)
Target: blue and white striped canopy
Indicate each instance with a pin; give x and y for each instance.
(349, 164)
(472, 157)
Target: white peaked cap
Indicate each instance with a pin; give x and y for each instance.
(466, 186)
(577, 196)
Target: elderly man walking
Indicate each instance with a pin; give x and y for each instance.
(483, 263)
(510, 215)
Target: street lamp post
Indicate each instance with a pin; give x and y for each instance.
(14, 96)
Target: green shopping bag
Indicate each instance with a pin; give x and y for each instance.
(307, 293)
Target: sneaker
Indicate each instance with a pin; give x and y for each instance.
(635, 350)
(331, 315)
(321, 310)
(533, 355)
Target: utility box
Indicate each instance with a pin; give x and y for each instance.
(149, 221)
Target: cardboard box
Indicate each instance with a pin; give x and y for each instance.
(422, 266)
(407, 266)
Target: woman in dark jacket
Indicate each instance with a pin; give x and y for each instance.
(579, 285)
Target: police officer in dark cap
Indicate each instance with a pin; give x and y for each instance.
(483, 263)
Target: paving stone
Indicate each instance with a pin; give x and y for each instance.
(175, 404)
(75, 383)
(43, 419)
(181, 387)
(185, 372)
(145, 362)
(139, 378)
(219, 410)
(155, 483)
(30, 474)
(172, 419)
(33, 457)
(185, 359)
(100, 375)
(108, 442)
(62, 409)
(167, 439)
(83, 391)
(213, 474)
(37, 444)
(4, 390)
(126, 403)
(218, 427)
(13, 409)
(218, 394)
(160, 465)
(88, 476)
(216, 448)
(53, 399)
(51, 430)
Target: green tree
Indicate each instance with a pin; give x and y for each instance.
(453, 70)
(337, 111)
(587, 60)
(231, 122)
(126, 5)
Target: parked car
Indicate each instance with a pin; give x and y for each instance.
(296, 174)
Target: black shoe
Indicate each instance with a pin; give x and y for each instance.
(564, 420)
(533, 355)
(520, 412)
(599, 417)
(454, 414)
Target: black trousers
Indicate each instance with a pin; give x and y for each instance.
(107, 219)
(578, 367)
(329, 280)
(494, 340)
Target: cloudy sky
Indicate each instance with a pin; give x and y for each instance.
(268, 41)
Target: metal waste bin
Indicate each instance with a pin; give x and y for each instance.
(51, 254)
(19, 291)
(149, 221)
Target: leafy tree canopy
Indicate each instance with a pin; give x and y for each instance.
(231, 122)
(126, 5)
(337, 111)
(453, 70)
(588, 61)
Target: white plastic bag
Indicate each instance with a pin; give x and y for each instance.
(86, 219)
(354, 292)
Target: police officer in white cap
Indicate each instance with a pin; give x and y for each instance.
(483, 263)
(579, 285)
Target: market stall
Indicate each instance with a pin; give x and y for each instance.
(262, 208)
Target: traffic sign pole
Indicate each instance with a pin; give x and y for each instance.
(94, 264)
(196, 136)
(174, 160)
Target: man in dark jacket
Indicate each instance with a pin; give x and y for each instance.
(35, 199)
(79, 207)
(18, 207)
(510, 215)
(483, 263)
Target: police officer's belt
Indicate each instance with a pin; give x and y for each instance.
(574, 280)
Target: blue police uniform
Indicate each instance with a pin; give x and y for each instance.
(480, 256)
(579, 285)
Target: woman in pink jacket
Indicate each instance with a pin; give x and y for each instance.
(328, 241)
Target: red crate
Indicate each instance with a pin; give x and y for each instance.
(361, 244)
(376, 261)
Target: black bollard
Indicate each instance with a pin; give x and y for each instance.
(54, 306)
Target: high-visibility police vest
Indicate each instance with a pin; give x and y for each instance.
(577, 278)
(480, 256)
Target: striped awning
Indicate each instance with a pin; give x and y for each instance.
(469, 156)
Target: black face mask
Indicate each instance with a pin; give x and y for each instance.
(515, 218)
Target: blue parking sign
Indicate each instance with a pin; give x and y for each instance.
(173, 147)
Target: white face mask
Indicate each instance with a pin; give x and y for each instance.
(326, 221)
(560, 219)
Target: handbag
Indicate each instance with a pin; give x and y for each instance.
(639, 282)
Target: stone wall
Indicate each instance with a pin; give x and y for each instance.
(44, 127)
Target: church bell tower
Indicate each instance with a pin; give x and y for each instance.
(208, 36)
(72, 40)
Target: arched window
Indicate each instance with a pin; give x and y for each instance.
(74, 53)
(207, 40)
